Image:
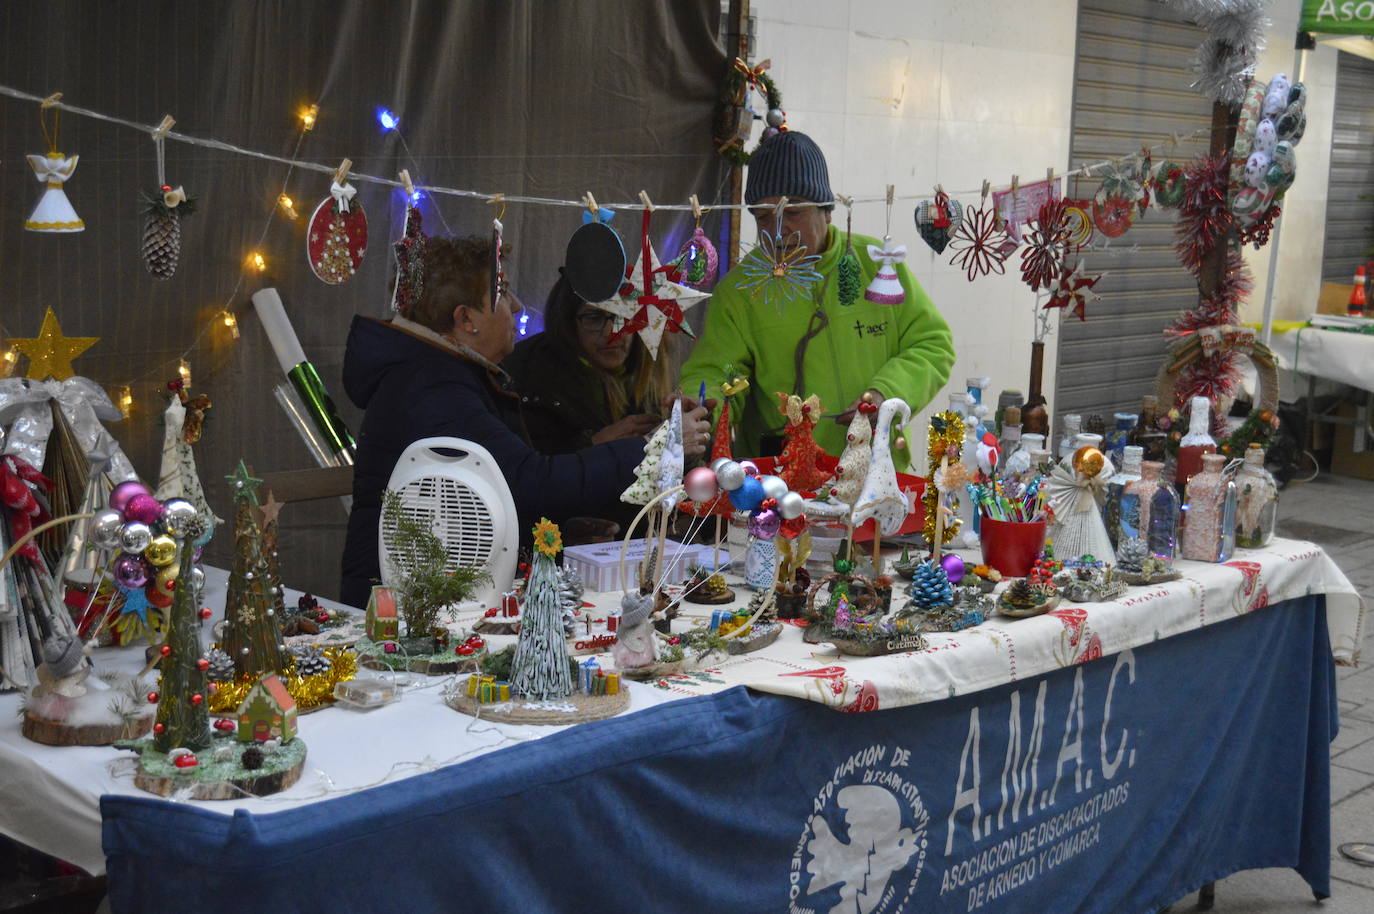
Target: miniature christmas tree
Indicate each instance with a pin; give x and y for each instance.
(183, 720)
(540, 669)
(799, 464)
(421, 580)
(930, 586)
(252, 630)
(183, 421)
(853, 466)
(336, 260)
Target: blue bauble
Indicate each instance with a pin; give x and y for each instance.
(749, 495)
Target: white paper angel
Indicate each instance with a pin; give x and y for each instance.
(54, 212)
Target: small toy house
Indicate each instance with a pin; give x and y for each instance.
(382, 622)
(267, 712)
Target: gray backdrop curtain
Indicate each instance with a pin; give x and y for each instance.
(548, 99)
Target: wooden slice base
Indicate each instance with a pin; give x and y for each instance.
(575, 709)
(372, 656)
(760, 636)
(56, 733)
(701, 597)
(897, 643)
(653, 671)
(203, 785)
(1145, 580)
(1025, 612)
(497, 625)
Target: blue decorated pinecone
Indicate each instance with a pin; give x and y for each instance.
(930, 586)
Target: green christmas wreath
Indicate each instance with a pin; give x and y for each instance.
(728, 129)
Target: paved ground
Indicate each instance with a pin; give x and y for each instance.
(1337, 513)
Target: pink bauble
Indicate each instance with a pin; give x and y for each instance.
(953, 566)
(126, 490)
(144, 508)
(750, 468)
(701, 485)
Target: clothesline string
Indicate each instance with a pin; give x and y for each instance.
(211, 143)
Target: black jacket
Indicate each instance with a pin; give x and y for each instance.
(412, 388)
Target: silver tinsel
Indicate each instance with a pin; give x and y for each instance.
(1225, 61)
(310, 660)
(221, 667)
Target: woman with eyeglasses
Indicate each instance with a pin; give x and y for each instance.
(433, 371)
(578, 387)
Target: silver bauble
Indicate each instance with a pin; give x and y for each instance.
(719, 462)
(177, 513)
(774, 117)
(104, 528)
(791, 505)
(773, 487)
(730, 476)
(135, 537)
(197, 582)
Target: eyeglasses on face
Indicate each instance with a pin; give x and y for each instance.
(594, 320)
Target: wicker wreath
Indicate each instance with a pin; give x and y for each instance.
(1259, 425)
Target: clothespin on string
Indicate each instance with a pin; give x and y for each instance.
(164, 126)
(408, 186)
(159, 135)
(50, 101)
(341, 173)
(644, 198)
(891, 196)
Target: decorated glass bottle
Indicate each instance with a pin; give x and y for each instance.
(1206, 535)
(1128, 473)
(1116, 438)
(1147, 433)
(1257, 501)
(1010, 439)
(1073, 424)
(1197, 442)
(1136, 500)
(1163, 529)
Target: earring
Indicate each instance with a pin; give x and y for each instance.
(473, 330)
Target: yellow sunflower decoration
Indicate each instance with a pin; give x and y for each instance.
(547, 537)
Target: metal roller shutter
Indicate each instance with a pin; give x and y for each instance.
(1131, 88)
(1349, 219)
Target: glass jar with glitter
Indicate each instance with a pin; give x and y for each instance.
(1257, 501)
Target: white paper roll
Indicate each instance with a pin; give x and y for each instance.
(278, 328)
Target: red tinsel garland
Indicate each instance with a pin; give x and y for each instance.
(1204, 214)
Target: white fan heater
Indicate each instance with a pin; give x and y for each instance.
(455, 489)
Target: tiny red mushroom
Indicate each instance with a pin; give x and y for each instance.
(202, 664)
(186, 761)
(464, 650)
(197, 699)
(205, 612)
(224, 725)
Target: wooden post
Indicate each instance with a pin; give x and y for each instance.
(1213, 269)
(739, 21)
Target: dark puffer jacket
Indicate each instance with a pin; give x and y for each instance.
(412, 388)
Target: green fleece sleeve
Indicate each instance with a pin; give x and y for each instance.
(723, 343)
(925, 353)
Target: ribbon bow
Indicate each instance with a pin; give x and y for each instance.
(887, 253)
(942, 219)
(1071, 492)
(25, 412)
(798, 410)
(174, 198)
(342, 194)
(49, 168)
(752, 74)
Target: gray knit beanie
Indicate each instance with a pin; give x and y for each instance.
(790, 165)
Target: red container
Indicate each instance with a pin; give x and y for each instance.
(1010, 546)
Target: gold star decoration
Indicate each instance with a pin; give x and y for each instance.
(50, 353)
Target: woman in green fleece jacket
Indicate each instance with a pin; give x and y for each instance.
(813, 344)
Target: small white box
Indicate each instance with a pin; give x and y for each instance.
(598, 563)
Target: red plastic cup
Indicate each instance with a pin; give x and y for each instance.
(1011, 546)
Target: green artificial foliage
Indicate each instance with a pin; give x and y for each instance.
(930, 586)
(423, 587)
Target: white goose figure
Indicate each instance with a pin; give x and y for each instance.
(881, 497)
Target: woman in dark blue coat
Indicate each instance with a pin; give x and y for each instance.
(433, 371)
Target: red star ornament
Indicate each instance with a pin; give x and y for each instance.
(650, 306)
(1074, 291)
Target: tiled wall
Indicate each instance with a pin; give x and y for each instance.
(919, 92)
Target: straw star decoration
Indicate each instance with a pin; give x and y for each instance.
(779, 272)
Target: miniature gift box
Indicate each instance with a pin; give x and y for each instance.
(589, 669)
(612, 683)
(510, 606)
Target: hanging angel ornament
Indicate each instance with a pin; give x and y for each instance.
(651, 301)
(882, 498)
(886, 288)
(1074, 290)
(54, 212)
(336, 236)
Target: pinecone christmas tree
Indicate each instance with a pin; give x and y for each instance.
(1020, 593)
(540, 668)
(1131, 555)
(930, 586)
(162, 230)
(252, 628)
(183, 718)
(310, 660)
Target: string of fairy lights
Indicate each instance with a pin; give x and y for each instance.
(256, 261)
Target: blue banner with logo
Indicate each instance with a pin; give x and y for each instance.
(1117, 785)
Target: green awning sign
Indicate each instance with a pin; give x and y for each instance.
(1338, 17)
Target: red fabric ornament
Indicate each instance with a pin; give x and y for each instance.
(410, 265)
(980, 243)
(1074, 290)
(336, 238)
(799, 463)
(1047, 243)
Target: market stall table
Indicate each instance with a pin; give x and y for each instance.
(1336, 355)
(1107, 757)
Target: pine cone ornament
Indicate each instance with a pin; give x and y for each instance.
(1020, 593)
(310, 660)
(162, 229)
(850, 277)
(252, 758)
(1131, 555)
(221, 667)
(930, 586)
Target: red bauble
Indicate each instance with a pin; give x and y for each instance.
(165, 650)
(197, 699)
(205, 612)
(159, 727)
(152, 698)
(202, 664)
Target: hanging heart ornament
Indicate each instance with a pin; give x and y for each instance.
(937, 219)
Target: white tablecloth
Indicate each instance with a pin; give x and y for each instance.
(49, 797)
(1336, 355)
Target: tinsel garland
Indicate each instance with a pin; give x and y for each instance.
(308, 691)
(1235, 36)
(1204, 214)
(946, 431)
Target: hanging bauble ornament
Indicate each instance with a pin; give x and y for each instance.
(54, 211)
(849, 273)
(937, 219)
(336, 237)
(104, 528)
(885, 288)
(698, 260)
(163, 209)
